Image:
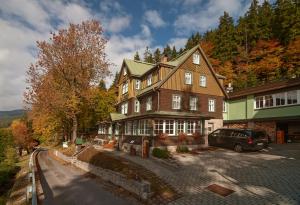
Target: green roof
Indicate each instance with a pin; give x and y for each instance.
(138, 68)
(178, 60)
(117, 116)
(147, 89)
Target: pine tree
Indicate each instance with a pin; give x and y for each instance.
(167, 51)
(265, 18)
(137, 56)
(286, 22)
(226, 46)
(102, 85)
(115, 81)
(148, 56)
(157, 55)
(252, 22)
(173, 53)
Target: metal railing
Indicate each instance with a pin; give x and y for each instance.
(31, 189)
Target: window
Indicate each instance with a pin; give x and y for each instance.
(202, 81)
(280, 99)
(196, 58)
(124, 108)
(117, 129)
(125, 88)
(188, 78)
(144, 127)
(180, 127)
(128, 126)
(193, 103)
(211, 105)
(259, 102)
(268, 101)
(136, 106)
(101, 129)
(292, 97)
(137, 84)
(176, 101)
(224, 106)
(149, 103)
(124, 71)
(149, 80)
(169, 127)
(158, 127)
(135, 128)
(191, 125)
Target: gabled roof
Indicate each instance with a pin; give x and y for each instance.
(137, 68)
(181, 59)
(269, 86)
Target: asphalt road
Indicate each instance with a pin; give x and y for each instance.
(63, 184)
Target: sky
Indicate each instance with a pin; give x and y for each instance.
(129, 25)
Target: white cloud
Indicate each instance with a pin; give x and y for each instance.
(206, 16)
(153, 17)
(118, 24)
(177, 42)
(23, 23)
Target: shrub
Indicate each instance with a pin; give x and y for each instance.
(182, 149)
(160, 153)
(182, 137)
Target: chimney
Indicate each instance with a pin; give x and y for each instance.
(164, 59)
(229, 88)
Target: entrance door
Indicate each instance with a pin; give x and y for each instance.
(283, 127)
(210, 128)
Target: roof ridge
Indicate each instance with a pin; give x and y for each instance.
(183, 53)
(143, 62)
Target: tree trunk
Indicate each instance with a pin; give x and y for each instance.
(20, 151)
(74, 128)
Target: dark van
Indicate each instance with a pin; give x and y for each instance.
(238, 139)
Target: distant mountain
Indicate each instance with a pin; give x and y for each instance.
(6, 117)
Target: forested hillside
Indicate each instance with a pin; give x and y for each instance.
(6, 117)
(263, 45)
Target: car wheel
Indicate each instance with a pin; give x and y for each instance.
(238, 148)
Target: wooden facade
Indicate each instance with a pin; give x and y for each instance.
(167, 81)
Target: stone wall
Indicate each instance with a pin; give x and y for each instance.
(141, 188)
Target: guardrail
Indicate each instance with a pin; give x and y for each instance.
(31, 189)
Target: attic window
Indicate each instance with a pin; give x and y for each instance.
(196, 58)
(125, 71)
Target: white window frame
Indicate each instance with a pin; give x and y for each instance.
(149, 80)
(190, 127)
(135, 129)
(202, 81)
(196, 58)
(125, 88)
(176, 102)
(292, 93)
(136, 106)
(181, 126)
(124, 71)
(128, 127)
(124, 108)
(193, 103)
(211, 105)
(137, 84)
(188, 78)
(149, 103)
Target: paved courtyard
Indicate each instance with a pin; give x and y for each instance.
(271, 176)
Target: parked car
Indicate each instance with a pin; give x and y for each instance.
(239, 139)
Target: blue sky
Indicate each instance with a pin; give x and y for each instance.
(130, 25)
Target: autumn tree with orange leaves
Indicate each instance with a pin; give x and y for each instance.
(68, 65)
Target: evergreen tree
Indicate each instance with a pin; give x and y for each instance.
(115, 81)
(102, 85)
(252, 23)
(148, 56)
(226, 46)
(137, 56)
(167, 51)
(173, 53)
(190, 43)
(157, 55)
(265, 17)
(286, 22)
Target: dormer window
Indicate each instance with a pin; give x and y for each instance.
(149, 80)
(124, 71)
(196, 58)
